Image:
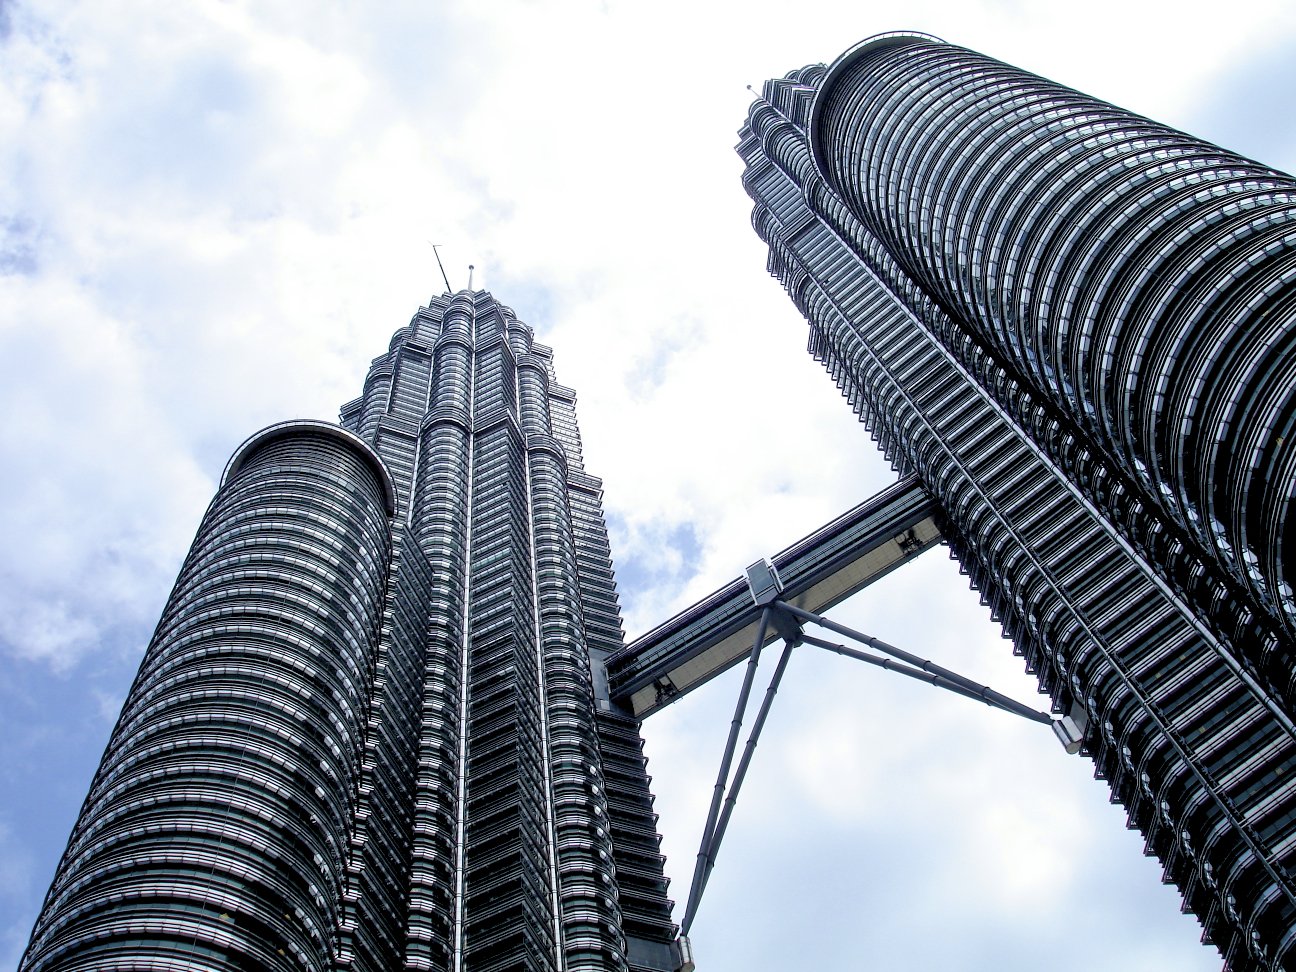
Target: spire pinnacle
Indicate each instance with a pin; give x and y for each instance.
(440, 265)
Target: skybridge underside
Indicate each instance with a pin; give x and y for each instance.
(837, 560)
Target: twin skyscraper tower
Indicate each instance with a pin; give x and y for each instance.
(382, 724)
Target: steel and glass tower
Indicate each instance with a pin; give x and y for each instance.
(1077, 328)
(372, 730)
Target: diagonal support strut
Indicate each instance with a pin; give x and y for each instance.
(722, 778)
(920, 668)
(787, 619)
(731, 798)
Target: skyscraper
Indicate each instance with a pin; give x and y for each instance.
(1074, 326)
(372, 730)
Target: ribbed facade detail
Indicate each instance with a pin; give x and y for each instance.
(217, 831)
(1165, 655)
(515, 857)
(1142, 281)
(524, 611)
(372, 731)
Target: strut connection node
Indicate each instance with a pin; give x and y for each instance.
(766, 589)
(764, 583)
(1070, 729)
(685, 954)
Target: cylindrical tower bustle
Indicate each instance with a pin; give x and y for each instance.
(216, 833)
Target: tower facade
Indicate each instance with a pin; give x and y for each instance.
(1075, 326)
(372, 730)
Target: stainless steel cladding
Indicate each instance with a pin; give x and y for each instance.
(1075, 327)
(373, 729)
(220, 821)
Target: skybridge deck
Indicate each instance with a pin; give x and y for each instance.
(818, 571)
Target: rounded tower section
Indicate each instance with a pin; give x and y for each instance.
(1138, 280)
(217, 830)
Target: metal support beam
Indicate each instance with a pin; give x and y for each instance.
(765, 587)
(723, 776)
(974, 689)
(740, 774)
(987, 695)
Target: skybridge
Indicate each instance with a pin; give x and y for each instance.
(821, 570)
(775, 599)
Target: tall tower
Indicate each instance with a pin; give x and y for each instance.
(1076, 327)
(372, 730)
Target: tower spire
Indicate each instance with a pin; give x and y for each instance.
(440, 265)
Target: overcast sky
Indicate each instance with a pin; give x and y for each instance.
(212, 215)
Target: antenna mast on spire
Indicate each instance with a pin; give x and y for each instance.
(470, 270)
(439, 264)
